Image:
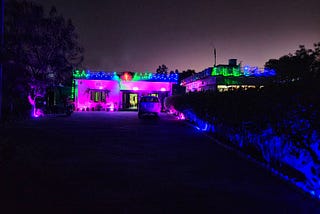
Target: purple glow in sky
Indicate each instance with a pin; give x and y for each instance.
(140, 35)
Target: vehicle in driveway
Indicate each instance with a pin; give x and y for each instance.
(149, 105)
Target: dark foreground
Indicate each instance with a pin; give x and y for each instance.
(112, 162)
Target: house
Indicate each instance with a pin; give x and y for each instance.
(109, 91)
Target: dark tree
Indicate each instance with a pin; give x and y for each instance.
(315, 65)
(163, 69)
(303, 64)
(186, 74)
(40, 50)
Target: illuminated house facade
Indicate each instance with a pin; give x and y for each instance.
(227, 77)
(95, 91)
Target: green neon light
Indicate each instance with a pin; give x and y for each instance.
(236, 72)
(115, 76)
(226, 71)
(72, 90)
(80, 75)
(142, 76)
(230, 82)
(96, 97)
(76, 89)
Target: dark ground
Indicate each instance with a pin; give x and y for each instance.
(112, 162)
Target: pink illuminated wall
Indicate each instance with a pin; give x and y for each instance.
(87, 87)
(194, 86)
(208, 83)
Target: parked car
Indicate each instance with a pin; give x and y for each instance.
(149, 105)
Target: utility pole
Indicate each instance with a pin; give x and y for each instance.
(1, 47)
(215, 56)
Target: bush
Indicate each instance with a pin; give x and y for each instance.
(278, 124)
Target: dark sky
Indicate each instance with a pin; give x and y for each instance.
(139, 35)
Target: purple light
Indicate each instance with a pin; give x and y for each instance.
(181, 116)
(162, 89)
(35, 112)
(110, 106)
(31, 101)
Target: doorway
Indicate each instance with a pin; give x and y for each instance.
(130, 101)
(133, 99)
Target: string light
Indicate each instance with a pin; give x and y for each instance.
(245, 71)
(228, 71)
(102, 75)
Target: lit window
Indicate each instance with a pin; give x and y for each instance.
(98, 96)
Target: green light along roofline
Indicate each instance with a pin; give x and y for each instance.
(226, 71)
(142, 76)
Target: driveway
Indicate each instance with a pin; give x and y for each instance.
(112, 162)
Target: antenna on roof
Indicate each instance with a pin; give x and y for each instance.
(215, 56)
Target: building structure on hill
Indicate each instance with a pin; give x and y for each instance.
(224, 77)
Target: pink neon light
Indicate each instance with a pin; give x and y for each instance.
(35, 112)
(162, 89)
(31, 101)
(135, 88)
(111, 106)
(181, 116)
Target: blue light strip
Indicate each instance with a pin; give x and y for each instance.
(204, 126)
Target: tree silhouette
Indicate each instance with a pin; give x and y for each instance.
(39, 50)
(303, 64)
(163, 69)
(186, 74)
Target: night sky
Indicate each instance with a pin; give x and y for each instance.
(140, 35)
